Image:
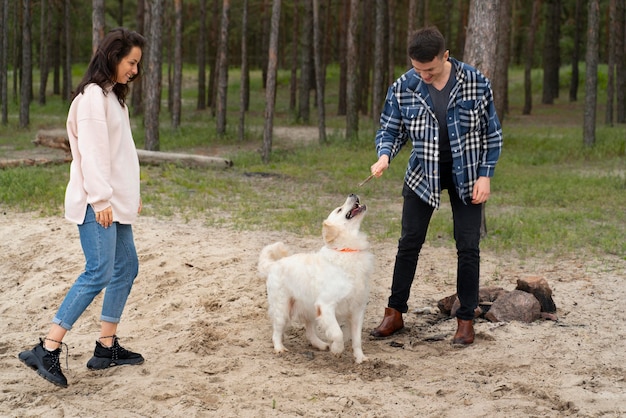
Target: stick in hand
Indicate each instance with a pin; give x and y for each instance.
(371, 176)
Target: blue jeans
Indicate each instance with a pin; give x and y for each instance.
(110, 262)
(416, 215)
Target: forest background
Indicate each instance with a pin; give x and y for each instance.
(211, 96)
(366, 40)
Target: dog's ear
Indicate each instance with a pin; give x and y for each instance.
(329, 232)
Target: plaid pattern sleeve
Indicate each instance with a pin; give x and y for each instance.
(473, 127)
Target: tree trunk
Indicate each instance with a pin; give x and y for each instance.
(412, 26)
(153, 76)
(364, 57)
(573, 87)
(421, 13)
(177, 85)
(201, 56)
(591, 78)
(482, 24)
(270, 89)
(500, 81)
(67, 67)
(43, 52)
(610, 85)
(26, 88)
(120, 14)
(463, 8)
(620, 62)
(17, 48)
(244, 88)
(57, 50)
(320, 72)
(378, 75)
(352, 105)
(4, 86)
(551, 51)
(213, 55)
(97, 24)
(304, 105)
(137, 97)
(391, 40)
(528, 58)
(264, 38)
(222, 85)
(447, 27)
(293, 79)
(343, 61)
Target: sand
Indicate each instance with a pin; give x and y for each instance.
(198, 314)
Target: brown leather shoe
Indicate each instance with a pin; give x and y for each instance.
(464, 332)
(392, 322)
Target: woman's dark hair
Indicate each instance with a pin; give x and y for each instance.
(425, 44)
(102, 69)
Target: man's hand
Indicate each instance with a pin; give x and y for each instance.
(379, 166)
(481, 191)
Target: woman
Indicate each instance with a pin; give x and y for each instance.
(102, 197)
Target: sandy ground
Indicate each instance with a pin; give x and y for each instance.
(198, 314)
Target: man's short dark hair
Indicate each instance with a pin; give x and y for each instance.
(425, 44)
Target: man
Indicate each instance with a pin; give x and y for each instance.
(445, 108)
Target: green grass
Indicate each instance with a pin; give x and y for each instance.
(550, 195)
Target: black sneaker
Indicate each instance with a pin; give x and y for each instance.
(45, 363)
(105, 357)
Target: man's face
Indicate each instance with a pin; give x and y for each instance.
(432, 71)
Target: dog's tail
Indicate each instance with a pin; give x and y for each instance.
(270, 254)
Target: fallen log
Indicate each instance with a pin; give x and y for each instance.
(187, 160)
(54, 138)
(30, 162)
(57, 138)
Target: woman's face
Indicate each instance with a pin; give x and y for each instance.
(127, 67)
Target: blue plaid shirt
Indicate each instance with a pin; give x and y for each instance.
(473, 127)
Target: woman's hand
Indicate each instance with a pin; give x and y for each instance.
(105, 217)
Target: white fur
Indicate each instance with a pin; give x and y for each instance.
(326, 288)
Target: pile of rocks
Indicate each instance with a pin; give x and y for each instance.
(530, 301)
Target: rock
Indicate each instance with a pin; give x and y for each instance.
(516, 305)
(538, 286)
(445, 304)
(486, 296)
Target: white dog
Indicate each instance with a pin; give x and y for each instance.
(325, 288)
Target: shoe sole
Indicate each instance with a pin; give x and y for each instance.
(31, 361)
(98, 363)
(375, 334)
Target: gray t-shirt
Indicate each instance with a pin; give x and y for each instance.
(440, 99)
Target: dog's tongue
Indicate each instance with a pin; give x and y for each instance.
(356, 210)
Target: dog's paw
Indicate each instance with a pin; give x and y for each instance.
(320, 346)
(280, 349)
(337, 348)
(360, 359)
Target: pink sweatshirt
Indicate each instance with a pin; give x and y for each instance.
(105, 168)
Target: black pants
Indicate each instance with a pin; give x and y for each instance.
(416, 215)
